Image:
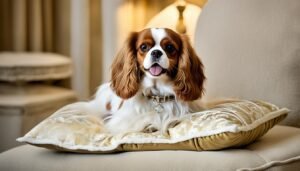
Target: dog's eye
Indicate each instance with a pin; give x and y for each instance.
(144, 47)
(170, 48)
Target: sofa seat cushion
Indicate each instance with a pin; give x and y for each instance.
(278, 149)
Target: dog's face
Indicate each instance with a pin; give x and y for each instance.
(157, 53)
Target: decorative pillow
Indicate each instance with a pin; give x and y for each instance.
(227, 125)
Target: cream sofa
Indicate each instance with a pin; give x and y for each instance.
(250, 49)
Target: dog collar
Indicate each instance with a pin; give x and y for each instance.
(161, 99)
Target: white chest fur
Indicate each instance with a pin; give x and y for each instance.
(139, 112)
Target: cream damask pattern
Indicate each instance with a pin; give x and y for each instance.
(236, 123)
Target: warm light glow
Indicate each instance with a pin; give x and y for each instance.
(180, 2)
(131, 16)
(168, 18)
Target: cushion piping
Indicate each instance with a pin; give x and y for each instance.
(272, 164)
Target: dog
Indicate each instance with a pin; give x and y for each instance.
(156, 79)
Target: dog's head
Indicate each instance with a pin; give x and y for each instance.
(158, 53)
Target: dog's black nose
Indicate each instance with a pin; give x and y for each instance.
(156, 54)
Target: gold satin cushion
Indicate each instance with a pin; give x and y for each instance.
(231, 124)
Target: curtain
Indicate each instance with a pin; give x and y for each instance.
(96, 52)
(35, 25)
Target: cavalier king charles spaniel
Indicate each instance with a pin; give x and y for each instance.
(156, 80)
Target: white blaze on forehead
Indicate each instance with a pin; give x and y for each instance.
(158, 34)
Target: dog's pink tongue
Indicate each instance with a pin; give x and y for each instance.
(155, 70)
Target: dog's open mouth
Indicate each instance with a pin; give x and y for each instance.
(156, 70)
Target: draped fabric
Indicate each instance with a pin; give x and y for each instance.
(35, 25)
(46, 26)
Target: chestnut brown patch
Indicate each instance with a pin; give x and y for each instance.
(125, 72)
(108, 106)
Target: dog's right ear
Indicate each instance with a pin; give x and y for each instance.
(188, 83)
(125, 76)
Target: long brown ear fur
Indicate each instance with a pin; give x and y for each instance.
(190, 77)
(125, 72)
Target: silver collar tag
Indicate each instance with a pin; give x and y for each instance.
(157, 101)
(158, 107)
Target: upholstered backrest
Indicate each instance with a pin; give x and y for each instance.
(251, 49)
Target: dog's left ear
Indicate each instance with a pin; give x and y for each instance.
(125, 76)
(190, 76)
